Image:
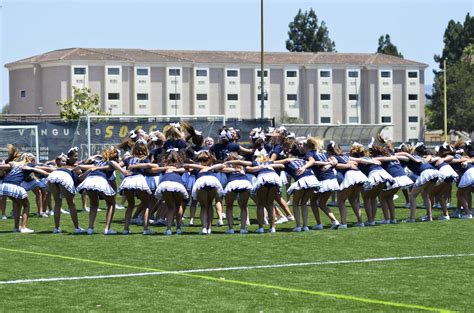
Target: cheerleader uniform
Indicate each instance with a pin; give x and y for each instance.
(327, 179)
(280, 153)
(98, 180)
(65, 177)
(237, 182)
(206, 180)
(466, 173)
(266, 177)
(376, 175)
(307, 180)
(30, 181)
(447, 173)
(425, 171)
(11, 184)
(400, 179)
(189, 177)
(137, 180)
(174, 144)
(351, 177)
(171, 182)
(221, 152)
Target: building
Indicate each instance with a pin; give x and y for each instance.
(315, 88)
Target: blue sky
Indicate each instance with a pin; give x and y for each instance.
(32, 27)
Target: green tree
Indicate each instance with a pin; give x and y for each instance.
(305, 35)
(387, 47)
(458, 52)
(82, 103)
(6, 109)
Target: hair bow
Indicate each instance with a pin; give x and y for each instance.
(332, 143)
(172, 149)
(62, 156)
(153, 138)
(419, 144)
(132, 134)
(371, 143)
(141, 140)
(356, 144)
(436, 148)
(261, 152)
(467, 143)
(177, 125)
(445, 145)
(73, 149)
(291, 135)
(401, 146)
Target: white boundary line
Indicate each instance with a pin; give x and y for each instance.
(236, 268)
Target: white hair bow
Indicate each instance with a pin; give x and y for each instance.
(445, 145)
(356, 144)
(61, 156)
(332, 143)
(153, 138)
(177, 125)
(141, 140)
(371, 143)
(132, 134)
(261, 152)
(419, 144)
(172, 149)
(401, 146)
(73, 149)
(271, 129)
(467, 142)
(460, 151)
(118, 151)
(197, 132)
(291, 135)
(436, 148)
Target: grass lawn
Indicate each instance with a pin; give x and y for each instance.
(442, 282)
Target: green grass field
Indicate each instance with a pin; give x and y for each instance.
(440, 281)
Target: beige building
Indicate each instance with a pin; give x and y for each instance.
(314, 88)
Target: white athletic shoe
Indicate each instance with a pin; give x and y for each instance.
(179, 231)
(318, 227)
(448, 205)
(265, 221)
(361, 224)
(148, 232)
(260, 231)
(109, 232)
(281, 220)
(305, 228)
(56, 230)
(86, 209)
(26, 230)
(224, 216)
(394, 221)
(168, 232)
(335, 224)
(119, 207)
(290, 218)
(4, 217)
(407, 205)
(65, 212)
(443, 218)
(272, 230)
(466, 216)
(191, 222)
(244, 231)
(395, 197)
(219, 223)
(126, 232)
(230, 231)
(43, 214)
(426, 218)
(342, 226)
(382, 222)
(203, 231)
(456, 214)
(90, 231)
(78, 231)
(297, 229)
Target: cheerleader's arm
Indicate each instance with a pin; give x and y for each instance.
(245, 150)
(276, 166)
(48, 169)
(386, 159)
(284, 161)
(216, 167)
(229, 170)
(36, 170)
(365, 161)
(119, 168)
(238, 162)
(193, 166)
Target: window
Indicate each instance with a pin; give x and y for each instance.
(386, 96)
(325, 120)
(259, 97)
(232, 73)
(142, 96)
(175, 96)
(142, 71)
(324, 73)
(113, 96)
(412, 74)
(113, 71)
(201, 72)
(174, 72)
(201, 96)
(386, 119)
(353, 119)
(353, 96)
(79, 71)
(265, 73)
(325, 96)
(385, 74)
(232, 97)
(291, 74)
(413, 96)
(353, 74)
(291, 97)
(22, 93)
(413, 119)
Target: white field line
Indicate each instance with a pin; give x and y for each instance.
(235, 268)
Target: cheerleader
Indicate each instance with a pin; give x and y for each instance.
(174, 137)
(462, 163)
(238, 187)
(136, 184)
(97, 186)
(171, 189)
(302, 189)
(206, 188)
(377, 179)
(351, 186)
(266, 187)
(428, 176)
(323, 167)
(62, 183)
(37, 186)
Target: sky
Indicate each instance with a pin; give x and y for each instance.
(28, 28)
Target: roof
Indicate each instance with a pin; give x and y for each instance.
(213, 57)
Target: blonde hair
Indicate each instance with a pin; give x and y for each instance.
(314, 143)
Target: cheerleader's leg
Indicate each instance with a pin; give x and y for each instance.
(71, 205)
(211, 195)
(58, 201)
(94, 206)
(110, 203)
(178, 199)
(260, 202)
(315, 198)
(272, 193)
(323, 205)
(16, 207)
(304, 205)
(297, 200)
(354, 201)
(170, 208)
(243, 204)
(229, 204)
(130, 197)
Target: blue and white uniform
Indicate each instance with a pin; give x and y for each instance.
(376, 175)
(447, 173)
(65, 177)
(425, 171)
(266, 177)
(98, 180)
(137, 180)
(238, 182)
(30, 182)
(306, 180)
(171, 182)
(351, 177)
(11, 184)
(396, 170)
(207, 180)
(327, 179)
(465, 172)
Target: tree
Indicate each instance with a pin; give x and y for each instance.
(458, 52)
(305, 35)
(387, 47)
(82, 103)
(6, 109)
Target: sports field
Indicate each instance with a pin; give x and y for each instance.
(403, 267)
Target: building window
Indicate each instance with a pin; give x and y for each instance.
(325, 96)
(291, 74)
(232, 73)
(201, 72)
(232, 97)
(142, 71)
(413, 97)
(259, 97)
(353, 119)
(325, 120)
(353, 96)
(22, 93)
(324, 73)
(386, 119)
(142, 96)
(385, 74)
(113, 96)
(201, 96)
(175, 96)
(79, 71)
(412, 74)
(386, 96)
(113, 71)
(413, 119)
(291, 97)
(353, 74)
(265, 73)
(174, 72)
